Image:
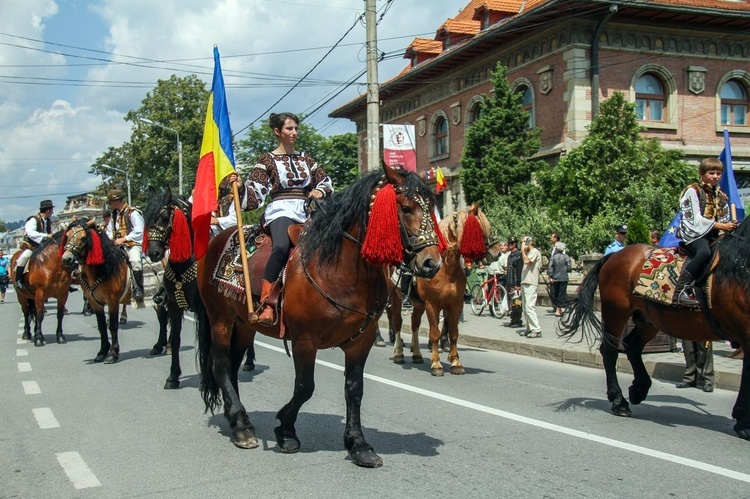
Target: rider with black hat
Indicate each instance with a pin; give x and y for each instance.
(126, 229)
(37, 228)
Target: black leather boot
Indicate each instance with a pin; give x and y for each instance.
(19, 277)
(684, 289)
(138, 287)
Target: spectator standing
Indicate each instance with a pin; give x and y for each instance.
(498, 267)
(621, 232)
(558, 269)
(532, 262)
(513, 283)
(699, 365)
(4, 275)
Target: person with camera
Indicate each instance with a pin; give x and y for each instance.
(532, 262)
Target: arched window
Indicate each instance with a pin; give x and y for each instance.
(528, 103)
(474, 111)
(734, 104)
(440, 136)
(650, 98)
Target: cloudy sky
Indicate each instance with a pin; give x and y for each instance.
(71, 69)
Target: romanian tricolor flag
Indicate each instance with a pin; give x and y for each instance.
(216, 161)
(440, 182)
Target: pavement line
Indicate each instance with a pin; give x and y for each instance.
(743, 477)
(22, 352)
(45, 418)
(24, 367)
(78, 472)
(31, 387)
(20, 341)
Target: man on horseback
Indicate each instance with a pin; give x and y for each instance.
(127, 230)
(290, 178)
(37, 229)
(705, 212)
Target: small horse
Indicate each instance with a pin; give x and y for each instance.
(167, 223)
(617, 274)
(334, 291)
(105, 279)
(469, 235)
(47, 278)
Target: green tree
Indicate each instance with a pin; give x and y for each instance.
(616, 167)
(150, 156)
(495, 161)
(340, 159)
(638, 230)
(3, 226)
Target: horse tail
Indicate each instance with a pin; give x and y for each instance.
(580, 313)
(209, 388)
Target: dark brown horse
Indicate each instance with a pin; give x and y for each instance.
(445, 292)
(616, 276)
(167, 224)
(105, 280)
(332, 298)
(47, 278)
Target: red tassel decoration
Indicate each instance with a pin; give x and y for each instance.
(442, 243)
(180, 245)
(95, 255)
(144, 244)
(472, 241)
(383, 244)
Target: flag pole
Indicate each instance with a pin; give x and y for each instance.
(243, 253)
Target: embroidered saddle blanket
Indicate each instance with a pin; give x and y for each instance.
(659, 276)
(227, 274)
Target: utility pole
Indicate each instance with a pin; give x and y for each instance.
(373, 90)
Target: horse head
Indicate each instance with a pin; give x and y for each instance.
(78, 244)
(470, 231)
(167, 227)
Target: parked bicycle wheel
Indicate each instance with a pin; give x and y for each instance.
(478, 301)
(499, 306)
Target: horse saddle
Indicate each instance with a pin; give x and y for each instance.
(661, 271)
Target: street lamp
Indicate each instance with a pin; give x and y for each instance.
(179, 150)
(127, 178)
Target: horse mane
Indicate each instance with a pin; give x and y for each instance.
(346, 208)
(166, 198)
(48, 241)
(734, 262)
(454, 232)
(113, 256)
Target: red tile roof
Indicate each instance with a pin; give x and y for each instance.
(426, 45)
(461, 27)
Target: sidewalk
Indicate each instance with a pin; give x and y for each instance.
(493, 334)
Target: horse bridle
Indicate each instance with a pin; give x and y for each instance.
(160, 234)
(69, 246)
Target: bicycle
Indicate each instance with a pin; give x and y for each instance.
(491, 294)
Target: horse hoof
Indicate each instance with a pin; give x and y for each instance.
(245, 439)
(38, 342)
(100, 358)
(367, 459)
(380, 343)
(744, 433)
(437, 371)
(171, 385)
(248, 367)
(457, 370)
(156, 351)
(417, 360)
(399, 359)
(61, 340)
(623, 412)
(287, 445)
(168, 351)
(123, 321)
(112, 359)
(26, 336)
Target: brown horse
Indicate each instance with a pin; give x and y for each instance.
(445, 292)
(47, 278)
(334, 291)
(105, 280)
(616, 275)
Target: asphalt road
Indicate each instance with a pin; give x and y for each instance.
(513, 426)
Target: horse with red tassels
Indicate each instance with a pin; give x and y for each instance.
(616, 275)
(469, 236)
(335, 289)
(105, 279)
(168, 235)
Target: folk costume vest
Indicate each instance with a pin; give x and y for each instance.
(712, 200)
(124, 225)
(42, 225)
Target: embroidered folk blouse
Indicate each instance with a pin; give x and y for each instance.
(701, 206)
(288, 179)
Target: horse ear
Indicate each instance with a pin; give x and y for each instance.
(474, 209)
(392, 175)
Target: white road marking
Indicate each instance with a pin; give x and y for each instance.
(78, 472)
(542, 424)
(31, 387)
(45, 419)
(19, 341)
(22, 352)
(24, 367)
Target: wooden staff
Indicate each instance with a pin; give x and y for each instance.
(243, 253)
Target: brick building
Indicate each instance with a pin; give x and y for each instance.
(683, 62)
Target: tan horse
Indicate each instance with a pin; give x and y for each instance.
(443, 293)
(47, 278)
